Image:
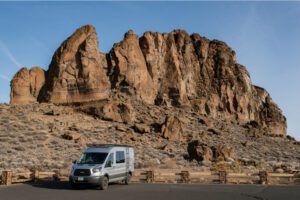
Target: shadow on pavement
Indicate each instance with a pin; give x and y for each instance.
(58, 185)
(64, 185)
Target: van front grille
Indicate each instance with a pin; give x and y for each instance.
(82, 172)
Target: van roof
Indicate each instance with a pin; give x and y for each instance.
(108, 145)
(104, 147)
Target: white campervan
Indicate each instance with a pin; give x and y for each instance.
(103, 164)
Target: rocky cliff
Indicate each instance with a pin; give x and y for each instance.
(77, 71)
(164, 69)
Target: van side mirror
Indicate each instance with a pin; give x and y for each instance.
(74, 161)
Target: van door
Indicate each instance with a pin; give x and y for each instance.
(120, 164)
(109, 167)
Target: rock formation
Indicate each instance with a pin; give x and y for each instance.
(223, 152)
(172, 129)
(112, 110)
(26, 85)
(77, 72)
(142, 128)
(200, 151)
(128, 69)
(173, 69)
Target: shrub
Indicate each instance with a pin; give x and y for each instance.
(226, 166)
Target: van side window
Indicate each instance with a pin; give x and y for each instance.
(120, 157)
(110, 160)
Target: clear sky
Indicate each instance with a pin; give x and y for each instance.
(265, 36)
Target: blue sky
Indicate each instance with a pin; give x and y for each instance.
(265, 36)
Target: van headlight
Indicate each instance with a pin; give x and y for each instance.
(96, 170)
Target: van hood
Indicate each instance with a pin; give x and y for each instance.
(87, 166)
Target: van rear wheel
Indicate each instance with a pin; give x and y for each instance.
(104, 183)
(127, 179)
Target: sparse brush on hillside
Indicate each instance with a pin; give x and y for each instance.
(46, 148)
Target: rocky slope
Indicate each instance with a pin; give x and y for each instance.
(174, 96)
(48, 137)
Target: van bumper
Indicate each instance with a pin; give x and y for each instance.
(91, 180)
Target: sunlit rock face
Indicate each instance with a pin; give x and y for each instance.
(174, 69)
(192, 70)
(77, 72)
(128, 69)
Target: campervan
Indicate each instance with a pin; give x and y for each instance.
(103, 164)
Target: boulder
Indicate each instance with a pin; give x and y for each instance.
(121, 128)
(142, 128)
(76, 137)
(112, 110)
(199, 151)
(71, 136)
(53, 112)
(214, 131)
(172, 129)
(204, 152)
(204, 121)
(223, 152)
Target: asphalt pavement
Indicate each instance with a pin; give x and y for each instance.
(62, 191)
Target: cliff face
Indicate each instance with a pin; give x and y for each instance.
(173, 69)
(77, 72)
(204, 74)
(128, 69)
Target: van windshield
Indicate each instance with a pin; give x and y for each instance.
(92, 158)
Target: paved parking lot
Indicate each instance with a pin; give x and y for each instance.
(62, 191)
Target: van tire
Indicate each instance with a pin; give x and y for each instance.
(103, 183)
(127, 179)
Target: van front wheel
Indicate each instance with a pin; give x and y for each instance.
(104, 183)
